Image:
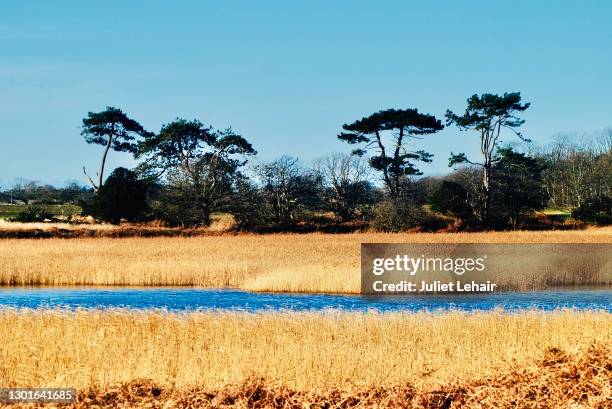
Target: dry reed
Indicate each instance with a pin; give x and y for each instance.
(301, 351)
(557, 380)
(277, 262)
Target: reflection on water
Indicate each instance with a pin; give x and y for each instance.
(206, 299)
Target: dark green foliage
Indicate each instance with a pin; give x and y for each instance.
(33, 214)
(488, 114)
(189, 199)
(395, 162)
(176, 205)
(114, 127)
(518, 187)
(122, 196)
(452, 198)
(114, 130)
(489, 111)
(200, 169)
(175, 144)
(249, 206)
(180, 143)
(517, 190)
(597, 209)
(421, 190)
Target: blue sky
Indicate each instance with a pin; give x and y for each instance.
(288, 74)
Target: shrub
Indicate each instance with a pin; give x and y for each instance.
(517, 190)
(394, 216)
(178, 205)
(249, 207)
(452, 198)
(33, 214)
(122, 196)
(597, 209)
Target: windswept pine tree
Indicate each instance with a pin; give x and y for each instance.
(199, 164)
(395, 160)
(488, 115)
(114, 130)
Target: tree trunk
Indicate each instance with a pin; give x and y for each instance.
(486, 184)
(396, 164)
(383, 155)
(108, 145)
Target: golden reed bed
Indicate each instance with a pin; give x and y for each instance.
(276, 262)
(137, 359)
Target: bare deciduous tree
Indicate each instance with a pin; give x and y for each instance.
(288, 188)
(347, 182)
(578, 167)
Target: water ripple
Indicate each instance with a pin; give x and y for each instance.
(182, 299)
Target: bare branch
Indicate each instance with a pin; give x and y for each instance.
(90, 179)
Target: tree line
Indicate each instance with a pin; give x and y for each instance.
(187, 171)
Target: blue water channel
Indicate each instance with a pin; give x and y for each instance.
(186, 299)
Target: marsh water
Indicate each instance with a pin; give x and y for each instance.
(181, 299)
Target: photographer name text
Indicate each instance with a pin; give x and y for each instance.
(433, 287)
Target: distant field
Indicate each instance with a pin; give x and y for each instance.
(11, 210)
(274, 262)
(556, 214)
(288, 360)
(557, 211)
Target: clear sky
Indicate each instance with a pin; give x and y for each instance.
(288, 74)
